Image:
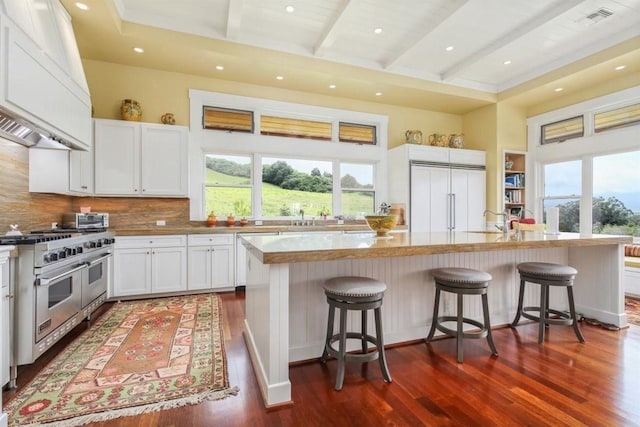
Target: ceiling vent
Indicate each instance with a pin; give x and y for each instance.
(599, 15)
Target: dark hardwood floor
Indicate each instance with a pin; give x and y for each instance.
(558, 383)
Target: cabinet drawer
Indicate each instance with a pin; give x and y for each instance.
(210, 239)
(123, 242)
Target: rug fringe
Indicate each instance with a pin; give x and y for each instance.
(139, 410)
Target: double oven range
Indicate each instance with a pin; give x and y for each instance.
(60, 279)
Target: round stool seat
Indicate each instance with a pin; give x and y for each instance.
(354, 286)
(462, 277)
(548, 270)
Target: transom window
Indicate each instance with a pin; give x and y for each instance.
(563, 130)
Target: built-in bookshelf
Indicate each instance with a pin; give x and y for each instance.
(514, 182)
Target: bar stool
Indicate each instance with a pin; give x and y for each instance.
(547, 274)
(462, 281)
(354, 293)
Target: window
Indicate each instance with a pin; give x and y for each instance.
(562, 130)
(228, 185)
(227, 119)
(620, 117)
(616, 195)
(358, 194)
(291, 187)
(360, 134)
(295, 128)
(562, 188)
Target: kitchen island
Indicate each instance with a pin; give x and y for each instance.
(286, 308)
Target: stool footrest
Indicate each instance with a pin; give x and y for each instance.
(482, 333)
(563, 318)
(353, 357)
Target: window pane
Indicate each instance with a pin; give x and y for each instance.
(616, 194)
(620, 117)
(358, 203)
(562, 130)
(569, 213)
(228, 170)
(563, 179)
(354, 176)
(293, 185)
(361, 134)
(227, 119)
(282, 126)
(228, 200)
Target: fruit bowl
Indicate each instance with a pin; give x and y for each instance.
(381, 224)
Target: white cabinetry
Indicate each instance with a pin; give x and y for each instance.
(81, 172)
(211, 261)
(149, 265)
(42, 80)
(140, 159)
(444, 189)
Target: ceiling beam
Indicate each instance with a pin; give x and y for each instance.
(417, 35)
(541, 19)
(234, 18)
(331, 31)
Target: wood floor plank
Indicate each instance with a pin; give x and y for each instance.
(560, 382)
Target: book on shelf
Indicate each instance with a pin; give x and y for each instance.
(515, 180)
(513, 196)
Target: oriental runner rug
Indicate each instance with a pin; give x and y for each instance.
(632, 308)
(140, 356)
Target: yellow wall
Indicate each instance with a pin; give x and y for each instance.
(160, 92)
(481, 133)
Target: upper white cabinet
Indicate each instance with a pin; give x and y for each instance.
(42, 80)
(81, 172)
(140, 159)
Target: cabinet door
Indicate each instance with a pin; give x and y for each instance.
(222, 266)
(117, 157)
(169, 269)
(468, 192)
(241, 263)
(81, 171)
(164, 169)
(199, 267)
(429, 199)
(5, 332)
(132, 272)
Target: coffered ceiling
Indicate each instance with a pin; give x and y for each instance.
(447, 55)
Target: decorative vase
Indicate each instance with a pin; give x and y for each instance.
(413, 136)
(131, 110)
(212, 221)
(168, 119)
(243, 221)
(231, 221)
(438, 140)
(456, 140)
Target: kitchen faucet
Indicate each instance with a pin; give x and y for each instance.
(505, 220)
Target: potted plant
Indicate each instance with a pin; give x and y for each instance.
(240, 207)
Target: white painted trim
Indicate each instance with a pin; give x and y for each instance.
(238, 143)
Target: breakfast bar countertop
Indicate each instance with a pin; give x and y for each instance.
(189, 229)
(324, 247)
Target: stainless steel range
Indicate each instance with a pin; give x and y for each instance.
(60, 280)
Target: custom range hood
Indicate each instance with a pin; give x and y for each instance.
(24, 133)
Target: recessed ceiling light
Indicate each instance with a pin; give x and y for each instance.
(82, 6)
(507, 62)
(219, 67)
(558, 89)
(378, 93)
(332, 86)
(449, 48)
(290, 9)
(377, 30)
(620, 67)
(279, 78)
(138, 50)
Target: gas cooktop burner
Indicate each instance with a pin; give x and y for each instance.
(32, 239)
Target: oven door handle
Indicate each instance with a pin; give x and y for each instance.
(97, 260)
(44, 281)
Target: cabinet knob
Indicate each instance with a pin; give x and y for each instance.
(135, 189)
(9, 296)
(84, 187)
(148, 252)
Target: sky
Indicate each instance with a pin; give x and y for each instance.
(615, 175)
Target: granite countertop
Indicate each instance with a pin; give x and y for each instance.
(323, 247)
(164, 230)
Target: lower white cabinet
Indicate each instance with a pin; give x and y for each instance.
(210, 261)
(149, 265)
